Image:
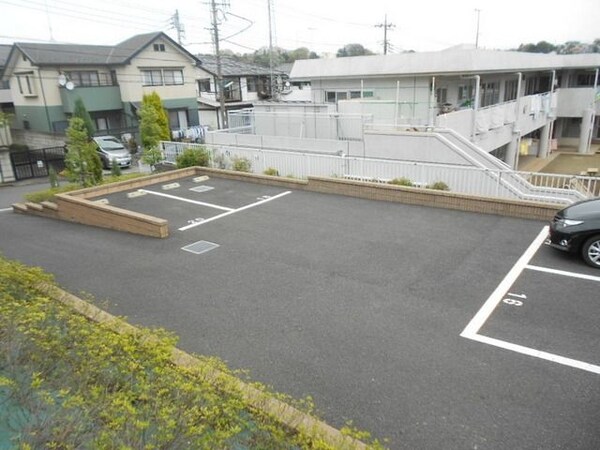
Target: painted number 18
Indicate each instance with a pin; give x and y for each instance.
(514, 301)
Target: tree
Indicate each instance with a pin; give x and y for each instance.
(540, 47)
(162, 119)
(80, 111)
(353, 50)
(150, 131)
(82, 161)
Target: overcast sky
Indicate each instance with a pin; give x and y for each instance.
(321, 25)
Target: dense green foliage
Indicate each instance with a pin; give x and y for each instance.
(353, 50)
(153, 127)
(271, 171)
(80, 111)
(66, 382)
(83, 165)
(568, 48)
(402, 181)
(192, 157)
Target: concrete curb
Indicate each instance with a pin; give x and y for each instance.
(262, 401)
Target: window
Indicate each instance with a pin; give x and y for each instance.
(204, 85)
(441, 95)
(26, 86)
(335, 96)
(86, 78)
(510, 90)
(585, 79)
(251, 84)
(159, 47)
(152, 77)
(162, 77)
(102, 123)
(178, 118)
(465, 94)
(173, 77)
(354, 94)
(490, 94)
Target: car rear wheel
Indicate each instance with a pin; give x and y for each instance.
(591, 251)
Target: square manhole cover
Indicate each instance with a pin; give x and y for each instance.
(200, 247)
(202, 188)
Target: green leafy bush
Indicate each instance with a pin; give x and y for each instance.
(439, 186)
(191, 157)
(71, 383)
(115, 169)
(402, 182)
(241, 164)
(271, 171)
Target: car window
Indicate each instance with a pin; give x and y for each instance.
(110, 144)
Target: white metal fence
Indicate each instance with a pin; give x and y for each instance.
(502, 183)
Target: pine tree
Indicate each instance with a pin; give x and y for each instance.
(162, 118)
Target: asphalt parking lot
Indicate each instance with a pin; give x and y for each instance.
(359, 304)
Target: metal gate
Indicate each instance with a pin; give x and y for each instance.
(35, 163)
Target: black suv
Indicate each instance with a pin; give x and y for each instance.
(576, 229)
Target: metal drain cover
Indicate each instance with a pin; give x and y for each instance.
(200, 247)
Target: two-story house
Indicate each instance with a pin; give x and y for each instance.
(46, 79)
(243, 85)
(499, 100)
(6, 103)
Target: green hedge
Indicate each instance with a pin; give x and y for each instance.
(67, 382)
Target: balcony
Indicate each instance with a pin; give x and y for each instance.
(95, 98)
(572, 101)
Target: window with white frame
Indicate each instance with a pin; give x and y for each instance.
(26, 85)
(162, 77)
(173, 76)
(152, 77)
(159, 47)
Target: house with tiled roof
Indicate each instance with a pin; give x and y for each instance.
(46, 79)
(244, 84)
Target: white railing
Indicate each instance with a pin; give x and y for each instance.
(499, 183)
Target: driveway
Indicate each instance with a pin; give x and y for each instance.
(360, 304)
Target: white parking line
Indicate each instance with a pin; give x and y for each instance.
(536, 353)
(563, 272)
(5, 209)
(187, 200)
(233, 211)
(472, 329)
(488, 307)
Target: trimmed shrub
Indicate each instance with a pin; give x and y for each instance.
(402, 182)
(192, 157)
(241, 164)
(115, 169)
(438, 186)
(271, 171)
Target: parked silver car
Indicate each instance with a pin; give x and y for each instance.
(110, 148)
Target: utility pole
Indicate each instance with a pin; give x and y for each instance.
(176, 23)
(478, 11)
(385, 25)
(220, 86)
(271, 6)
